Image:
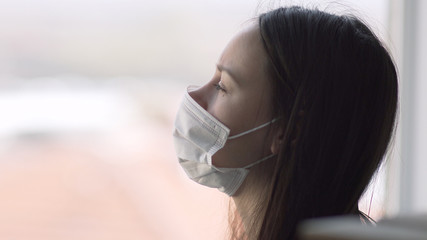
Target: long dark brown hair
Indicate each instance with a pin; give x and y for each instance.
(335, 88)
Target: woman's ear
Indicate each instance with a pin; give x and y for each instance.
(277, 141)
(278, 138)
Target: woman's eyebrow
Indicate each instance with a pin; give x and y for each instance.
(221, 68)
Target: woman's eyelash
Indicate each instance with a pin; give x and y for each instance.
(218, 87)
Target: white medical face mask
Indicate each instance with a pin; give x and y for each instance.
(197, 136)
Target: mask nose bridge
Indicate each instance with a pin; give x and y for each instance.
(199, 94)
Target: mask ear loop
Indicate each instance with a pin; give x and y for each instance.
(253, 130)
(259, 161)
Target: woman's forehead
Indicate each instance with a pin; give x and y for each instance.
(244, 54)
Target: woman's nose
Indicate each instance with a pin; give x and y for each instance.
(200, 95)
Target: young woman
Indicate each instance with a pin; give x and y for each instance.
(295, 121)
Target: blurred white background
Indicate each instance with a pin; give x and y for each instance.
(88, 95)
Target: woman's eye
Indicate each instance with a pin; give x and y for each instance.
(218, 87)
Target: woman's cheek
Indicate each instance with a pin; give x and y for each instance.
(223, 111)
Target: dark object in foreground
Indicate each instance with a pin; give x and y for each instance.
(350, 228)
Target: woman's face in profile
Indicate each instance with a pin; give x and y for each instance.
(239, 95)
